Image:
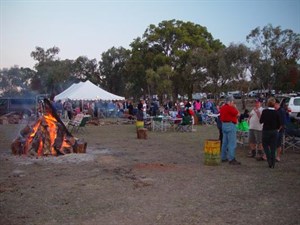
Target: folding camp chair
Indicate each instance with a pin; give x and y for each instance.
(242, 133)
(79, 122)
(208, 118)
(291, 141)
(242, 137)
(186, 124)
(157, 124)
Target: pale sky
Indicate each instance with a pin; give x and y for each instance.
(91, 27)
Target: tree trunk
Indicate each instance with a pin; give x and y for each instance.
(243, 103)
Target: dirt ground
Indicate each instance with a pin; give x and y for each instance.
(159, 181)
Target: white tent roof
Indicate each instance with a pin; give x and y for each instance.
(86, 91)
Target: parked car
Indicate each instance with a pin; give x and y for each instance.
(258, 93)
(237, 95)
(293, 104)
(253, 94)
(222, 95)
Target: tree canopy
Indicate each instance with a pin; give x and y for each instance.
(279, 56)
(169, 59)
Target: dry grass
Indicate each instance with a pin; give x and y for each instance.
(161, 180)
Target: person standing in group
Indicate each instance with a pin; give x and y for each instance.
(140, 114)
(197, 106)
(229, 118)
(69, 108)
(284, 117)
(154, 108)
(255, 132)
(271, 124)
(59, 108)
(208, 105)
(130, 108)
(144, 109)
(219, 123)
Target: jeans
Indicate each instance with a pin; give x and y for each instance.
(269, 138)
(229, 141)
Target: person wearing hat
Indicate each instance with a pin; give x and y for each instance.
(229, 118)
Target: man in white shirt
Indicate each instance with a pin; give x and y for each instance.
(255, 132)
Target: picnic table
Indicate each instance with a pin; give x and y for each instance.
(164, 123)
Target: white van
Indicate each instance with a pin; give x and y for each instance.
(293, 104)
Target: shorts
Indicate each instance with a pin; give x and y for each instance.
(279, 139)
(255, 136)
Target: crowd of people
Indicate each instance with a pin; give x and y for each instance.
(266, 129)
(68, 109)
(266, 125)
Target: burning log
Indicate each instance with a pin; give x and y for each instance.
(80, 147)
(52, 110)
(47, 136)
(17, 146)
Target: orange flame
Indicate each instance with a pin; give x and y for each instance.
(51, 131)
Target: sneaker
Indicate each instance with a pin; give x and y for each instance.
(224, 160)
(234, 162)
(277, 159)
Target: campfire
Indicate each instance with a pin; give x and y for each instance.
(48, 135)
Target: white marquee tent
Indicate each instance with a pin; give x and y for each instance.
(86, 91)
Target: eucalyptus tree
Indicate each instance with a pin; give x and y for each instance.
(15, 81)
(53, 77)
(159, 81)
(61, 75)
(196, 76)
(218, 71)
(254, 63)
(158, 72)
(136, 67)
(43, 56)
(228, 66)
(237, 58)
(47, 78)
(112, 69)
(176, 40)
(279, 55)
(85, 69)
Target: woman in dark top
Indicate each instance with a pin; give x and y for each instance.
(271, 124)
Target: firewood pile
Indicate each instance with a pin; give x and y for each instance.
(94, 121)
(47, 136)
(11, 118)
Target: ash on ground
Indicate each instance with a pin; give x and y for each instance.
(90, 155)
